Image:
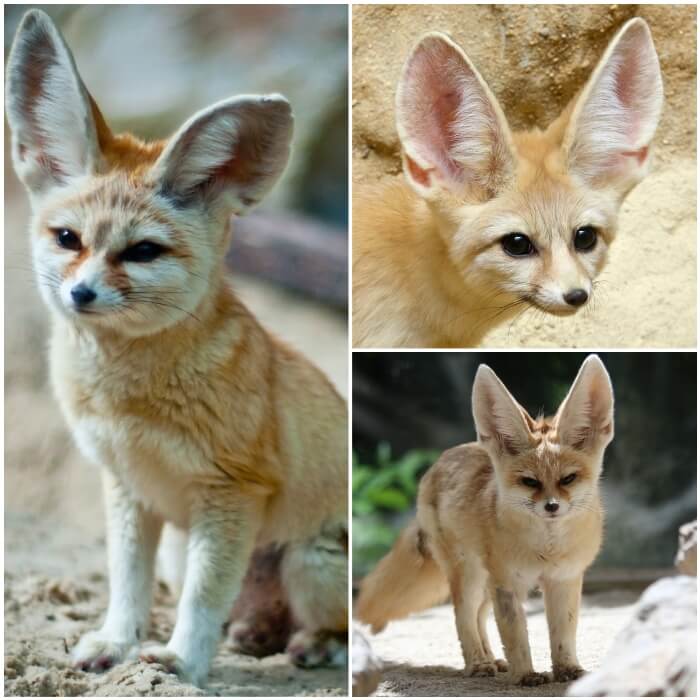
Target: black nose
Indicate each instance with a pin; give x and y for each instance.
(551, 507)
(576, 297)
(82, 294)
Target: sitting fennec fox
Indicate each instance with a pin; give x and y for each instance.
(517, 508)
(488, 223)
(196, 415)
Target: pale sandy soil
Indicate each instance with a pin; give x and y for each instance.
(422, 657)
(55, 589)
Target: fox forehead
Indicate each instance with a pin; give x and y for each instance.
(548, 460)
(539, 203)
(105, 209)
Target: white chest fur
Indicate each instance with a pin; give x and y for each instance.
(119, 422)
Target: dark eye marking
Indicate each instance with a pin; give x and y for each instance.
(142, 252)
(570, 478)
(517, 245)
(585, 238)
(67, 239)
(531, 483)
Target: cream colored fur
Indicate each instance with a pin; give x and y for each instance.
(488, 538)
(196, 415)
(429, 264)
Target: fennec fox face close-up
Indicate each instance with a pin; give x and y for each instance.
(196, 415)
(518, 508)
(489, 222)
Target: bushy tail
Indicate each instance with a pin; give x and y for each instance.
(406, 580)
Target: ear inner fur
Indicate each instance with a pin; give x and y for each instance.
(46, 97)
(497, 415)
(233, 151)
(616, 114)
(453, 131)
(586, 414)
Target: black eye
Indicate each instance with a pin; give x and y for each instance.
(518, 245)
(568, 479)
(67, 239)
(585, 238)
(142, 252)
(531, 483)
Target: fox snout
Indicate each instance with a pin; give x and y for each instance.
(552, 507)
(568, 286)
(87, 286)
(576, 297)
(82, 295)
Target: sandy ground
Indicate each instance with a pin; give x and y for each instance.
(422, 658)
(535, 58)
(55, 584)
(55, 589)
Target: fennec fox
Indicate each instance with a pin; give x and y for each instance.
(486, 222)
(517, 508)
(195, 413)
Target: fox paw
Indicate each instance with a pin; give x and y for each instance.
(483, 668)
(96, 652)
(501, 665)
(257, 640)
(171, 662)
(532, 678)
(567, 673)
(311, 650)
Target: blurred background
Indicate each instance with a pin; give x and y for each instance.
(408, 407)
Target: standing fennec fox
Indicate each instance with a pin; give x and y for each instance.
(196, 414)
(517, 508)
(488, 223)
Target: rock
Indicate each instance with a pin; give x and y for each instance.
(687, 557)
(293, 251)
(655, 655)
(366, 667)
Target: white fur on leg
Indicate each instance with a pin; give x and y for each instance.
(132, 536)
(221, 540)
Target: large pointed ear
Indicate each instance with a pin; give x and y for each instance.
(501, 422)
(49, 111)
(585, 418)
(608, 136)
(230, 154)
(452, 130)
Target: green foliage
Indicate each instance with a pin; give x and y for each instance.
(381, 493)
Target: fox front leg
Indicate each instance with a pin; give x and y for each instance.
(221, 540)
(562, 600)
(512, 626)
(132, 538)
